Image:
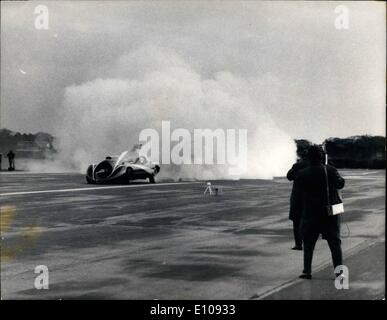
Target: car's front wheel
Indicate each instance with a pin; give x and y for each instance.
(89, 181)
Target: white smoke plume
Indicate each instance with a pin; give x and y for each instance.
(146, 86)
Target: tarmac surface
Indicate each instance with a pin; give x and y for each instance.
(169, 241)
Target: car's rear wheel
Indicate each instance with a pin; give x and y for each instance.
(151, 178)
(129, 175)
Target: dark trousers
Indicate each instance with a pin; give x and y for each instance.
(297, 232)
(309, 244)
(11, 164)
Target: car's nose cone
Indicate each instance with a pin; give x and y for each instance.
(103, 170)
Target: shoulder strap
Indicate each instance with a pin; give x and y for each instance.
(326, 181)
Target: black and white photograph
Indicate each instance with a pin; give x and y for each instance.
(193, 151)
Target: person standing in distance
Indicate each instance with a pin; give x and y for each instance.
(11, 160)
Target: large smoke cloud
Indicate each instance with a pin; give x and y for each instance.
(151, 84)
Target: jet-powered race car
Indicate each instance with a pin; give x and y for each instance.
(122, 169)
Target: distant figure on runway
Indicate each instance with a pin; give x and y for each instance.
(315, 219)
(296, 199)
(11, 160)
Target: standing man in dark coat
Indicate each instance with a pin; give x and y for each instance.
(315, 219)
(296, 200)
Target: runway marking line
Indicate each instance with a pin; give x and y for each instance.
(350, 252)
(95, 188)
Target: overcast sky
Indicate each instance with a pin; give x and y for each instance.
(328, 82)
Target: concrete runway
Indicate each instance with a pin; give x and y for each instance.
(168, 241)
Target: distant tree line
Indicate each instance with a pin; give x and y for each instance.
(353, 152)
(39, 145)
(363, 152)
